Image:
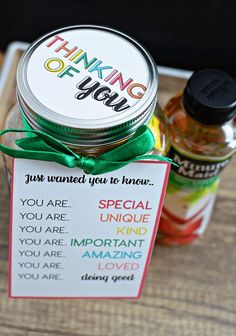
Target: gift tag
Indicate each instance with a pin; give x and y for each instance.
(81, 236)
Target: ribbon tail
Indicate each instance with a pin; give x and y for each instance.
(104, 166)
(134, 149)
(140, 143)
(34, 143)
(40, 147)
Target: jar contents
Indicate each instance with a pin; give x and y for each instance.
(202, 129)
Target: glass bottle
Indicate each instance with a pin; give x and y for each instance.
(202, 129)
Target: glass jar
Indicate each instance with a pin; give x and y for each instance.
(202, 130)
(90, 87)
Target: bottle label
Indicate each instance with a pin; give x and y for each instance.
(190, 194)
(187, 211)
(196, 169)
(76, 236)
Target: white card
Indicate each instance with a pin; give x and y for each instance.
(81, 236)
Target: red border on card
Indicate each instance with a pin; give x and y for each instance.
(10, 233)
(155, 227)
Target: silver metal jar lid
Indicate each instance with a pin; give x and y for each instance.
(87, 85)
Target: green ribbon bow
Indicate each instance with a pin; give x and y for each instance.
(41, 146)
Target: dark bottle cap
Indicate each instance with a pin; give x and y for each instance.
(210, 97)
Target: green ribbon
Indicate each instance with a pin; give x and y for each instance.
(43, 147)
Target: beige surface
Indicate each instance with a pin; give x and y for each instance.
(190, 291)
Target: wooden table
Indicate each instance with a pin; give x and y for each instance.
(190, 291)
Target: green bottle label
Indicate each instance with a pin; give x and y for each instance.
(190, 194)
(193, 172)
